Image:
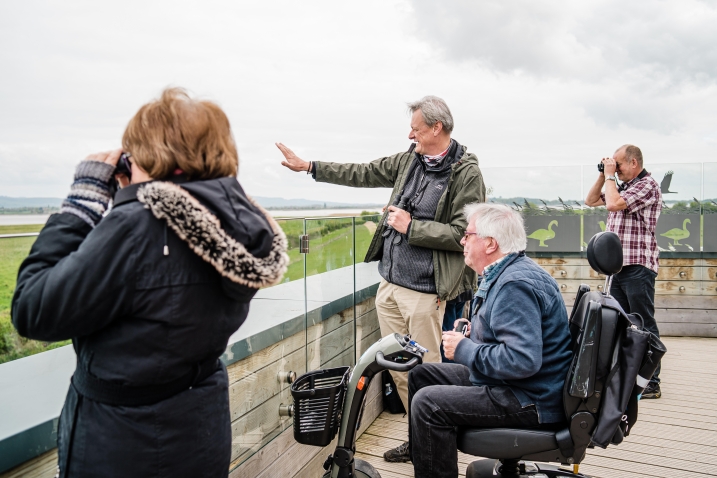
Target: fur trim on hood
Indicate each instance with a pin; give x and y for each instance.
(202, 231)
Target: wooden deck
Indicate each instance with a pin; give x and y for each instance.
(674, 437)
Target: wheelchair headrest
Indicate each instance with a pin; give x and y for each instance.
(605, 253)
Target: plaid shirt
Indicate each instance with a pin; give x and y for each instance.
(636, 224)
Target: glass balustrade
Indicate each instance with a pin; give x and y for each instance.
(267, 348)
(709, 207)
(549, 200)
(329, 293)
(322, 314)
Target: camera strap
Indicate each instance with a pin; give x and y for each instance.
(627, 184)
(411, 170)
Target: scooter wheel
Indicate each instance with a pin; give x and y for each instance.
(364, 469)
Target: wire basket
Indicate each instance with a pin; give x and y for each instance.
(318, 402)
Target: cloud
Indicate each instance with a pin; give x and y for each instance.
(636, 59)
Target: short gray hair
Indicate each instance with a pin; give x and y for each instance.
(434, 110)
(499, 222)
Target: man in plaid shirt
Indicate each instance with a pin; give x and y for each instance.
(634, 207)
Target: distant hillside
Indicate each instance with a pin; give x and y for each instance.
(18, 204)
(281, 203)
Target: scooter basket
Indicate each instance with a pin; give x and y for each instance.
(318, 402)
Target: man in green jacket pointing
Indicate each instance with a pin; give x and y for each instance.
(418, 239)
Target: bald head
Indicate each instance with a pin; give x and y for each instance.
(631, 152)
(628, 162)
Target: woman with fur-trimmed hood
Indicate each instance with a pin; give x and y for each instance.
(150, 294)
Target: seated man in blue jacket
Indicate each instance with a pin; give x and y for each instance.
(510, 372)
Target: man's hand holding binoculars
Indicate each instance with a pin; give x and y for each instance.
(609, 166)
(398, 219)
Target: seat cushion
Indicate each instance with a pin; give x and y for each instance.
(502, 443)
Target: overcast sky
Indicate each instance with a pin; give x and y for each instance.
(543, 84)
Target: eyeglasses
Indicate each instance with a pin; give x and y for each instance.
(466, 234)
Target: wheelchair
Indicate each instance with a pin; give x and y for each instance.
(613, 360)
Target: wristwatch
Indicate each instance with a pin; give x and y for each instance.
(610, 178)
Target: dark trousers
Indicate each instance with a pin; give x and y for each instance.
(634, 288)
(454, 310)
(441, 398)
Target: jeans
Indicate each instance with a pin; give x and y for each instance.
(454, 310)
(634, 288)
(442, 398)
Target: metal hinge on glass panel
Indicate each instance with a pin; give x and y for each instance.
(304, 244)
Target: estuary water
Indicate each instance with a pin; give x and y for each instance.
(18, 219)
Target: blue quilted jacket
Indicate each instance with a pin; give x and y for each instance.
(520, 338)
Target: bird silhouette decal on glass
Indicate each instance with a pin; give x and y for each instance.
(543, 235)
(678, 234)
(665, 184)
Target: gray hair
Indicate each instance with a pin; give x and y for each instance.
(499, 222)
(434, 110)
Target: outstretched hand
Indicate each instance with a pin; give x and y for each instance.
(292, 161)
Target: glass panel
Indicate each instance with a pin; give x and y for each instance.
(594, 218)
(678, 229)
(367, 280)
(329, 293)
(270, 343)
(15, 243)
(549, 198)
(709, 207)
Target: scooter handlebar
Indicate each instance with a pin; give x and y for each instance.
(396, 367)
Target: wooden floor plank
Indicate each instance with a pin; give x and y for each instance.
(664, 443)
(646, 469)
(675, 436)
(662, 406)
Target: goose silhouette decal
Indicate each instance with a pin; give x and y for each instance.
(543, 235)
(677, 234)
(665, 184)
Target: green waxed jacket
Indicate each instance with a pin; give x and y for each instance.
(443, 234)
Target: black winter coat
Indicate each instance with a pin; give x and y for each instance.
(157, 287)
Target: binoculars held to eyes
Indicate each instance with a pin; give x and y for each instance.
(124, 166)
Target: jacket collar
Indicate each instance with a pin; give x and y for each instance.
(129, 194)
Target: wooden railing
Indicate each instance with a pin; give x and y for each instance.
(685, 291)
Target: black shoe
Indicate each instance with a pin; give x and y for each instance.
(652, 391)
(398, 454)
